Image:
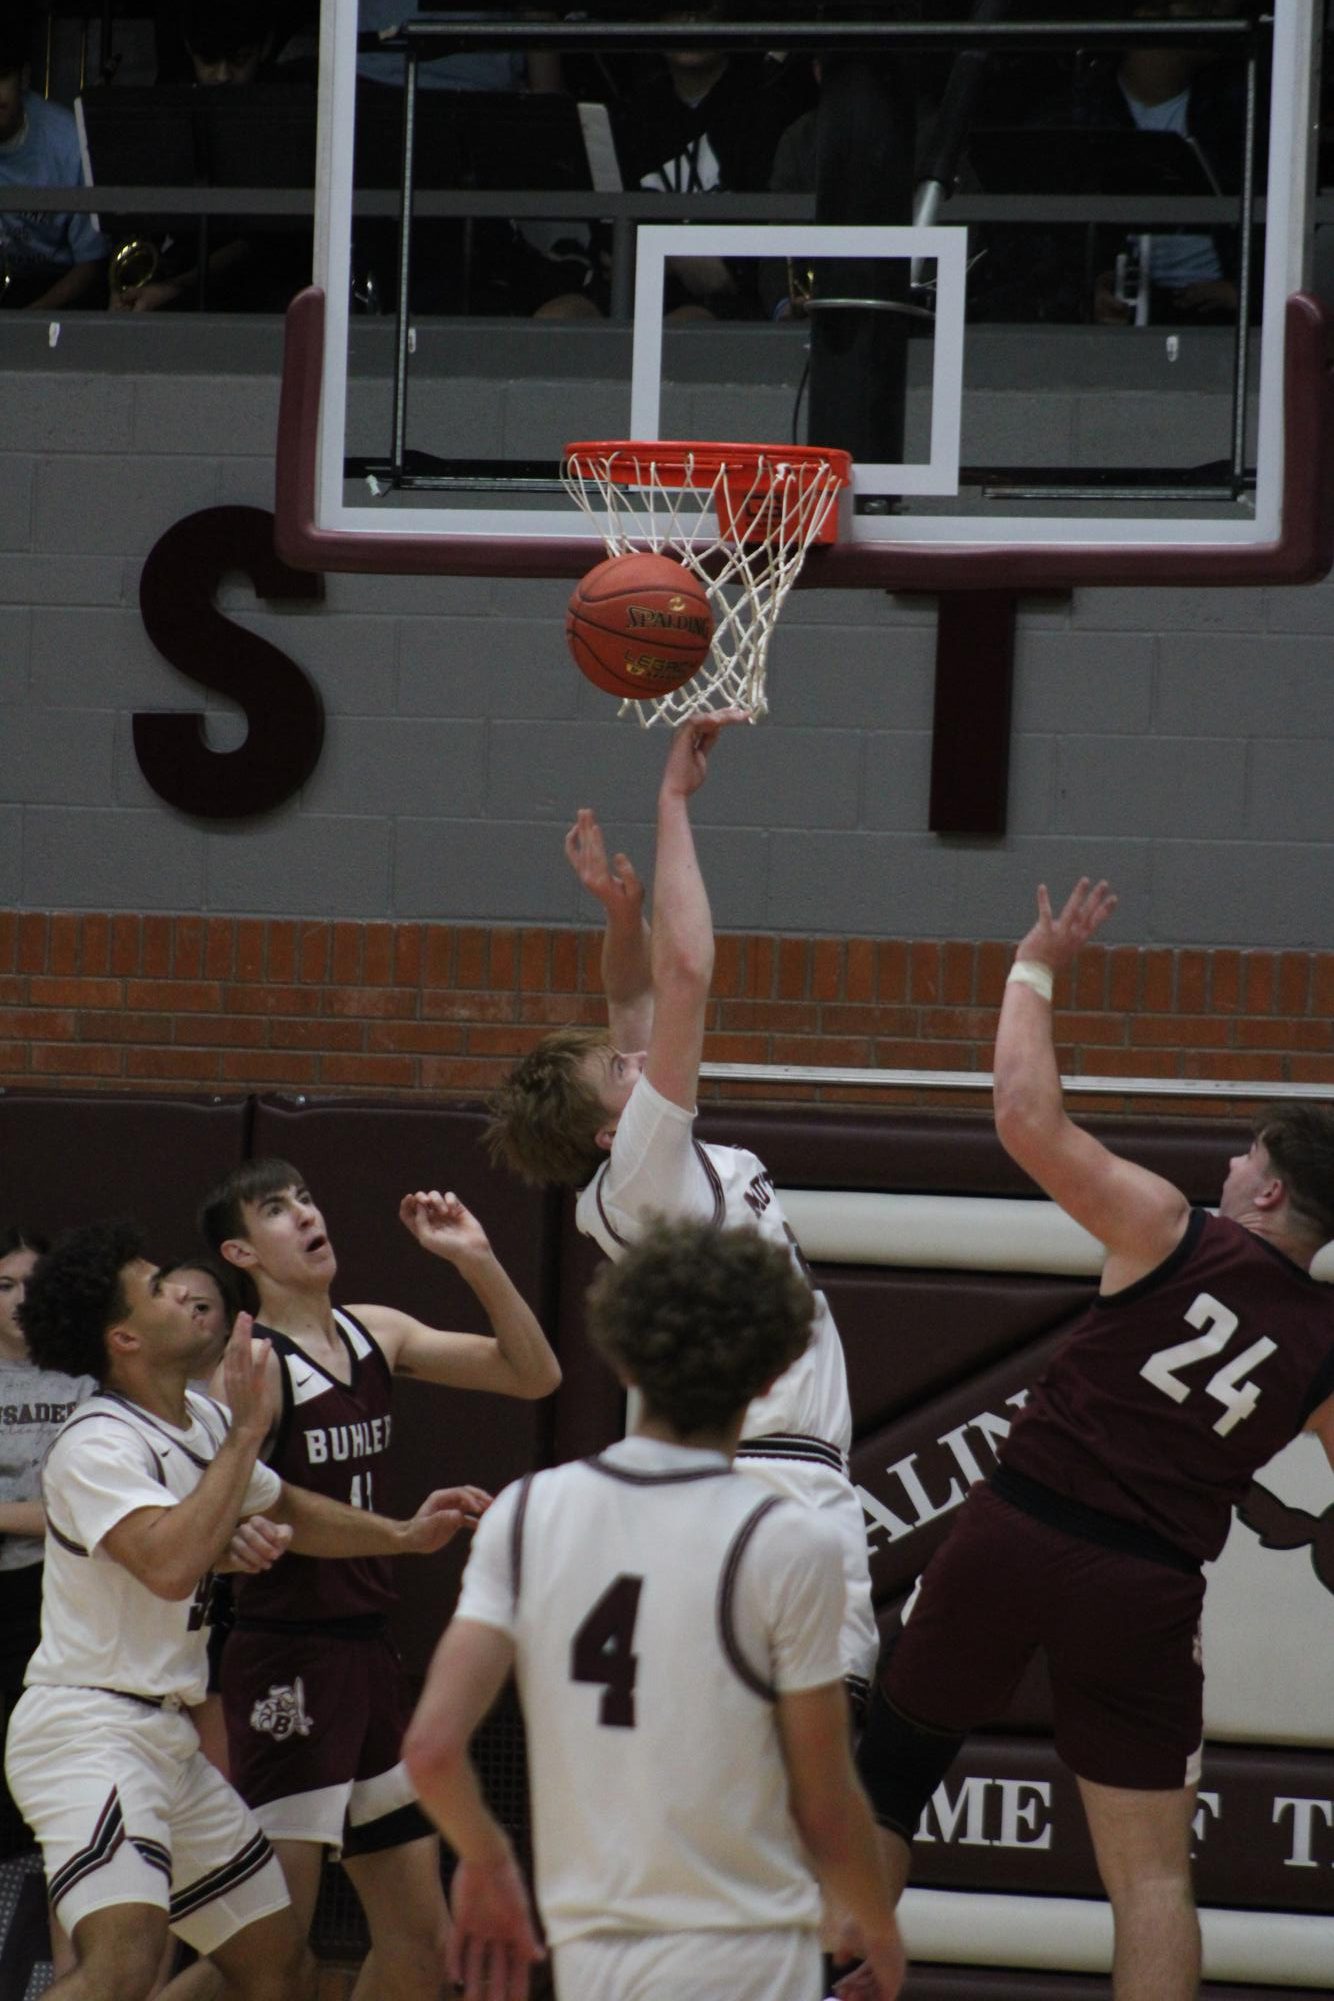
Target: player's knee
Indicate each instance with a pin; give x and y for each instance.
(901, 1763)
(291, 1975)
(122, 1968)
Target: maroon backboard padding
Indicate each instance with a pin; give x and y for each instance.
(69, 1158)
(361, 1158)
(1302, 554)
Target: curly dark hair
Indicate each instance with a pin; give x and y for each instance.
(76, 1292)
(700, 1320)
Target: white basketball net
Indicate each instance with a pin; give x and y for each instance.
(742, 528)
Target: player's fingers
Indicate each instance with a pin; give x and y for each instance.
(1044, 904)
(1074, 903)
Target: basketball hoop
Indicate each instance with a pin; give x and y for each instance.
(741, 517)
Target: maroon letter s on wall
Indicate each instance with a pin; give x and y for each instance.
(283, 710)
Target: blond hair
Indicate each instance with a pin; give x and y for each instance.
(546, 1116)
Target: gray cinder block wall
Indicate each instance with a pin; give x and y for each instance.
(1177, 741)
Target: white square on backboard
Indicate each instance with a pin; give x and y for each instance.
(945, 248)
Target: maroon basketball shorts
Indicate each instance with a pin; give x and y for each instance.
(1120, 1634)
(315, 1722)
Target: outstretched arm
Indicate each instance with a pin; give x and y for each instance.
(494, 1940)
(681, 952)
(1135, 1213)
(627, 978)
(515, 1359)
(322, 1526)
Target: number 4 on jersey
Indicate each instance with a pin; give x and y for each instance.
(1227, 1386)
(602, 1651)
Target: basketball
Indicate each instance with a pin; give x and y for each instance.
(639, 625)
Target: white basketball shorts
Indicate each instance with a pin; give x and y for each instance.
(129, 1811)
(689, 1966)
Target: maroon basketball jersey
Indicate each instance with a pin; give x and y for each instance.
(331, 1439)
(1171, 1393)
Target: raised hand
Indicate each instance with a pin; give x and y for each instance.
(494, 1938)
(441, 1516)
(442, 1225)
(1054, 941)
(245, 1364)
(688, 758)
(615, 884)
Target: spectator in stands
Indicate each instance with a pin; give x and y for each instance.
(705, 120)
(34, 1403)
(1191, 274)
(495, 266)
(231, 44)
(49, 260)
(228, 41)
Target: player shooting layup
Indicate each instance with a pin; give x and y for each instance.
(675, 1635)
(614, 1113)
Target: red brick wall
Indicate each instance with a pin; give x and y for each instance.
(237, 1004)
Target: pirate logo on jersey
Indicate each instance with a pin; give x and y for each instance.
(282, 1713)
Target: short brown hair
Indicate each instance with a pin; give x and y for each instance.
(1299, 1140)
(546, 1116)
(222, 1211)
(700, 1320)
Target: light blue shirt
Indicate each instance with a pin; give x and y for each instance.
(46, 154)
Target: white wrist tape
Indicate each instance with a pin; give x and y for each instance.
(1032, 973)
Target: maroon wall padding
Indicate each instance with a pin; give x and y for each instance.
(953, 1153)
(590, 1406)
(73, 1158)
(912, 1335)
(360, 1160)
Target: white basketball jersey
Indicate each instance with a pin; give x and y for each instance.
(659, 1603)
(657, 1167)
(102, 1628)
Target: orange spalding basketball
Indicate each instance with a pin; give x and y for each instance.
(639, 625)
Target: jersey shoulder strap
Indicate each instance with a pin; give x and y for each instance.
(727, 1581)
(516, 1536)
